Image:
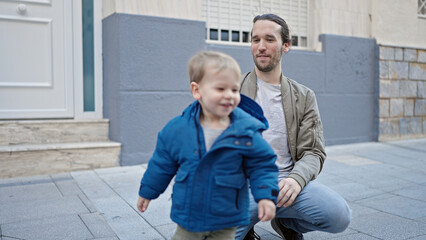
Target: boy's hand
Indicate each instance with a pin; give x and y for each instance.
(143, 204)
(266, 210)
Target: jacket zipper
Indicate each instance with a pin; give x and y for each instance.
(198, 139)
(295, 121)
(315, 132)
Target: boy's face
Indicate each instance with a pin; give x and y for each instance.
(218, 93)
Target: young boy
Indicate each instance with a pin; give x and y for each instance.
(213, 148)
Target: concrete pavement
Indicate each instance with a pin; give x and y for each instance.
(384, 183)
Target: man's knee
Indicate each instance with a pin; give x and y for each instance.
(339, 219)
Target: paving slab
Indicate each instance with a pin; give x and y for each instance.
(158, 212)
(125, 183)
(134, 228)
(267, 235)
(357, 236)
(419, 238)
(373, 177)
(417, 144)
(387, 226)
(359, 210)
(89, 205)
(97, 225)
(129, 193)
(114, 207)
(167, 230)
(396, 205)
(66, 184)
(423, 219)
(353, 191)
(324, 235)
(417, 192)
(28, 192)
(26, 180)
(26, 210)
(123, 219)
(413, 175)
(108, 238)
(330, 179)
(384, 184)
(92, 186)
(64, 227)
(398, 157)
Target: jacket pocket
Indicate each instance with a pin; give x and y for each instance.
(179, 190)
(229, 195)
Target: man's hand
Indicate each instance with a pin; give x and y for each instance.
(142, 204)
(289, 190)
(266, 210)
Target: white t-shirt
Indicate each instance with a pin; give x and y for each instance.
(269, 98)
(210, 135)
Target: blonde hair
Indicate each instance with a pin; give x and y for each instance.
(203, 60)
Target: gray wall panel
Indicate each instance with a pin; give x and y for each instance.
(155, 51)
(147, 84)
(111, 75)
(347, 118)
(241, 54)
(307, 68)
(144, 115)
(350, 64)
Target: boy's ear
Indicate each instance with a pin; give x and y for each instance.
(195, 89)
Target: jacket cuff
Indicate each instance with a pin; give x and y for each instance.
(265, 193)
(147, 192)
(298, 179)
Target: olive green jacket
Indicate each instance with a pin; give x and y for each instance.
(304, 127)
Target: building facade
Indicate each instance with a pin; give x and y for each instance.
(123, 63)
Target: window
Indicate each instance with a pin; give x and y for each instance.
(421, 11)
(230, 21)
(88, 56)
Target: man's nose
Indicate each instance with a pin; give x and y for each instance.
(262, 45)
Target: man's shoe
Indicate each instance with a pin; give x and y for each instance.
(252, 235)
(285, 233)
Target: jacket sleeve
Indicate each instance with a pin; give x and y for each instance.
(161, 169)
(309, 144)
(260, 168)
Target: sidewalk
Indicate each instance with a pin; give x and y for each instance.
(384, 183)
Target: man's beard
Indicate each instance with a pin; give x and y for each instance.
(274, 62)
(266, 68)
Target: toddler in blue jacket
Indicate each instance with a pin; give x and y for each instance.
(211, 150)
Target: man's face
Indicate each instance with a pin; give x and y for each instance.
(266, 45)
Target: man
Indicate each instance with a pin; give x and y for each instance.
(296, 135)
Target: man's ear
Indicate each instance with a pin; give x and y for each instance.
(286, 47)
(195, 90)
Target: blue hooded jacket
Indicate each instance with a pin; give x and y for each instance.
(211, 188)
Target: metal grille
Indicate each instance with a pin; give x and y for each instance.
(421, 11)
(230, 21)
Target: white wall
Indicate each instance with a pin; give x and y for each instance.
(390, 22)
(183, 9)
(398, 23)
(340, 17)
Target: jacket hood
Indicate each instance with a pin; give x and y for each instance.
(251, 107)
